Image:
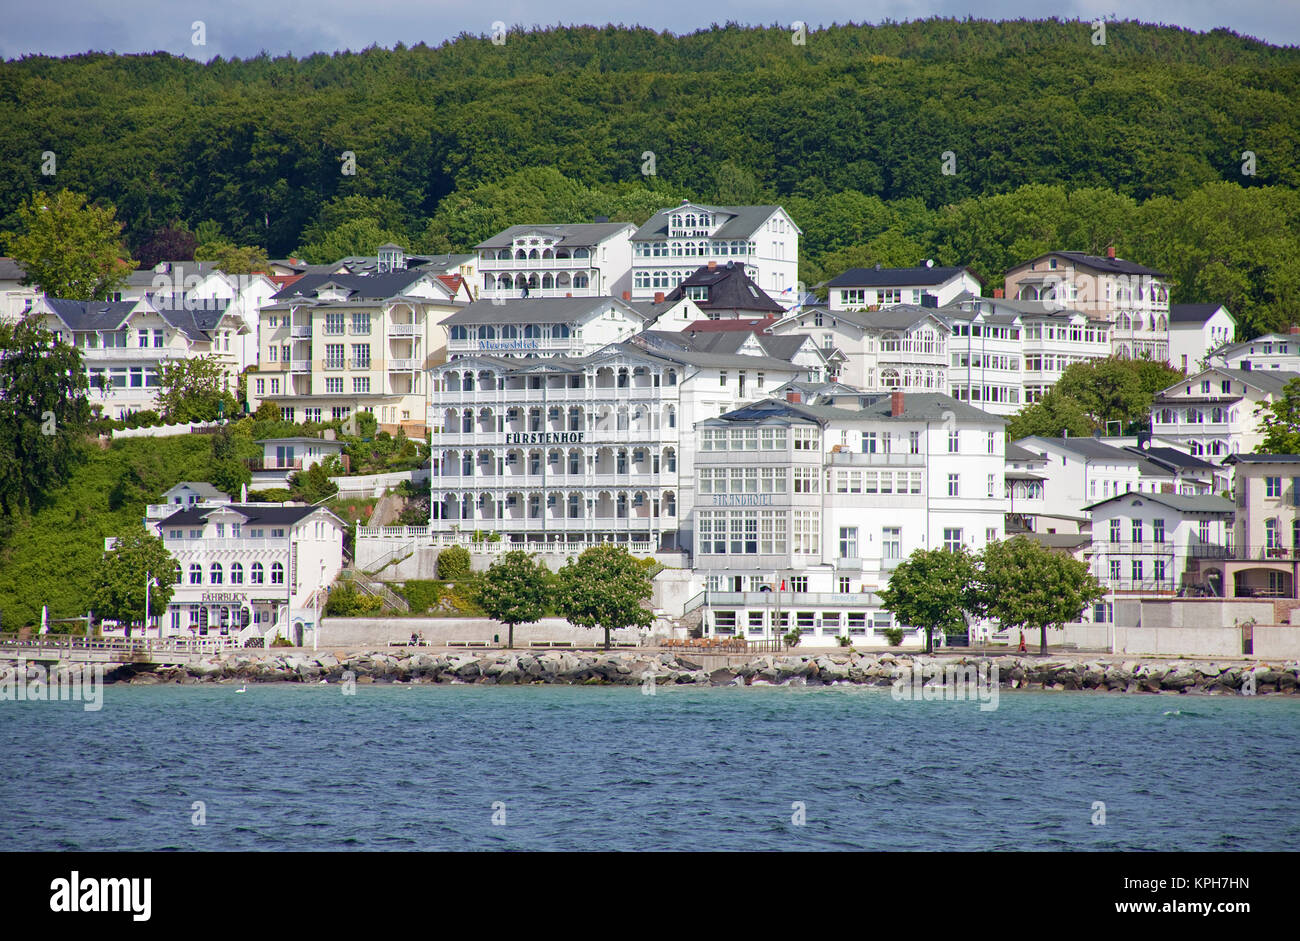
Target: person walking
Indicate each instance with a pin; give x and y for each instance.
(1022, 642)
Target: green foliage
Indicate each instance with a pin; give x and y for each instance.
(118, 589)
(51, 556)
(313, 484)
(894, 635)
(604, 587)
(422, 595)
(933, 589)
(1022, 584)
(843, 640)
(281, 641)
(454, 564)
(1089, 396)
(71, 250)
(515, 590)
(415, 512)
(1280, 422)
(191, 390)
(346, 602)
(793, 638)
(43, 414)
(232, 258)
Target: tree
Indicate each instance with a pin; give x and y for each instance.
(1052, 416)
(605, 587)
(232, 258)
(932, 588)
(172, 242)
(1090, 396)
(71, 250)
(118, 590)
(1280, 422)
(515, 591)
(195, 390)
(454, 564)
(1023, 584)
(228, 472)
(314, 484)
(43, 412)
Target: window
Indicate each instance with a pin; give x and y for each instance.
(1114, 530)
(255, 573)
(992, 442)
(722, 377)
(1157, 530)
(334, 324)
(954, 485)
(1137, 530)
(868, 442)
(361, 384)
(848, 542)
(914, 442)
(805, 438)
(361, 324)
(952, 540)
(334, 385)
(361, 355)
(1158, 570)
(1137, 570)
(953, 442)
(1273, 487)
(277, 573)
(236, 574)
(992, 483)
(214, 573)
(335, 354)
(891, 543)
(196, 574)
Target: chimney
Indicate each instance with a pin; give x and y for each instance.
(659, 297)
(1110, 251)
(998, 293)
(712, 265)
(896, 403)
(793, 396)
(627, 295)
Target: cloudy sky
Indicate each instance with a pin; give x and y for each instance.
(246, 27)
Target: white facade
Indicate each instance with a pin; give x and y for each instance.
(535, 261)
(573, 451)
(248, 570)
(1272, 352)
(16, 298)
(675, 242)
(541, 327)
(870, 288)
(1082, 471)
(1157, 543)
(1211, 414)
(1196, 330)
(804, 510)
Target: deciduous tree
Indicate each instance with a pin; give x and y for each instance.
(605, 587)
(70, 249)
(118, 591)
(1024, 585)
(933, 589)
(515, 590)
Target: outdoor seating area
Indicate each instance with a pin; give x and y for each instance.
(708, 643)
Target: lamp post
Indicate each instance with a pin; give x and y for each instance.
(149, 583)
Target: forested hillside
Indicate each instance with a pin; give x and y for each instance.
(1057, 142)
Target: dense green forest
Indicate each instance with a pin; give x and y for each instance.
(1057, 142)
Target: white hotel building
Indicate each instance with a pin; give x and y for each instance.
(536, 261)
(674, 243)
(562, 445)
(803, 510)
(245, 569)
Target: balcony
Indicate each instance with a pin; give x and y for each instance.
(404, 330)
(300, 332)
(272, 464)
(791, 600)
(875, 459)
(142, 354)
(300, 366)
(359, 364)
(400, 364)
(489, 265)
(517, 293)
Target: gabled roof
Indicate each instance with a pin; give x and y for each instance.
(1196, 313)
(566, 235)
(917, 406)
(744, 221)
(1180, 502)
(1097, 263)
(896, 277)
(91, 315)
(1015, 452)
(279, 515)
(359, 287)
(537, 310)
(729, 324)
(1090, 448)
(176, 272)
(202, 488)
(10, 270)
(894, 317)
(199, 317)
(1171, 459)
(1262, 459)
(729, 289)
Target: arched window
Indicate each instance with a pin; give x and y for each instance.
(196, 574)
(236, 573)
(214, 574)
(255, 573)
(277, 573)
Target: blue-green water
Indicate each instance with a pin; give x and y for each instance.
(400, 767)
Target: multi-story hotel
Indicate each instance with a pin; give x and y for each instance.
(541, 327)
(675, 242)
(124, 344)
(1211, 414)
(804, 509)
(1130, 297)
(535, 261)
(335, 344)
(1275, 352)
(570, 450)
(252, 570)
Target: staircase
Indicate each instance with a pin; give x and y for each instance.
(368, 586)
(400, 554)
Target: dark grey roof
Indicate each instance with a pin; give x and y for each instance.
(744, 222)
(895, 317)
(202, 488)
(917, 406)
(256, 515)
(728, 342)
(576, 235)
(1060, 540)
(1015, 452)
(1183, 503)
(1262, 459)
(894, 277)
(1100, 263)
(198, 318)
(10, 270)
(729, 289)
(1171, 458)
(91, 315)
(361, 287)
(1195, 313)
(536, 310)
(176, 272)
(1086, 447)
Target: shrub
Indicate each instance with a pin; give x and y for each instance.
(422, 594)
(894, 635)
(345, 601)
(843, 641)
(454, 564)
(282, 642)
(792, 639)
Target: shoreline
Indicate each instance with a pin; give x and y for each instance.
(631, 668)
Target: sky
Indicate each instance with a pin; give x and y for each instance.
(242, 28)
